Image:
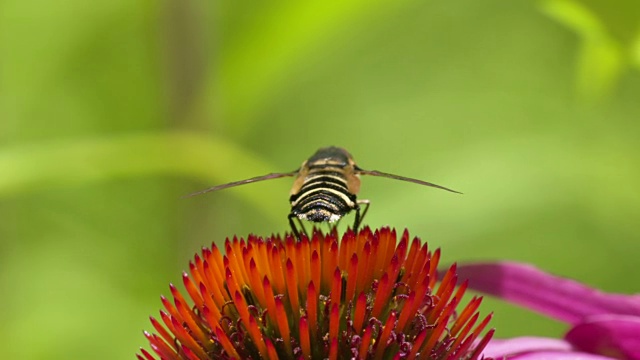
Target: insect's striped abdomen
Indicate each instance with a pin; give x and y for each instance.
(324, 195)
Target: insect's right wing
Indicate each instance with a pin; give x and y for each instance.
(403, 178)
(242, 182)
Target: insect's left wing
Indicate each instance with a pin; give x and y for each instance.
(243, 182)
(398, 177)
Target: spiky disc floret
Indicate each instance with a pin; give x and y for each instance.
(367, 296)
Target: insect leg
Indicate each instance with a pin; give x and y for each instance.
(366, 204)
(335, 224)
(293, 227)
(304, 230)
(360, 216)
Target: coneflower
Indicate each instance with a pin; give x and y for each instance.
(368, 295)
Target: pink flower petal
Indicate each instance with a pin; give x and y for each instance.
(559, 355)
(498, 348)
(614, 335)
(557, 297)
(532, 348)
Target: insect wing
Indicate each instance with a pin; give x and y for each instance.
(243, 182)
(397, 177)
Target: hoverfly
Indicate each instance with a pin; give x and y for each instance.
(325, 188)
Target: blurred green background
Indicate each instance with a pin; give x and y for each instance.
(110, 111)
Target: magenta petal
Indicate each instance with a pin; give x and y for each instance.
(499, 348)
(614, 335)
(533, 348)
(558, 355)
(557, 297)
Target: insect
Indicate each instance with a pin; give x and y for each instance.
(325, 188)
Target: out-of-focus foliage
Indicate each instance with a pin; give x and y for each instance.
(607, 48)
(111, 111)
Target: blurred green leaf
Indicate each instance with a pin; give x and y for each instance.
(601, 59)
(70, 163)
(635, 51)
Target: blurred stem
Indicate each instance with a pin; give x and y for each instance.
(184, 55)
(211, 160)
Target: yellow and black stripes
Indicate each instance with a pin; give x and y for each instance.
(324, 195)
(325, 189)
